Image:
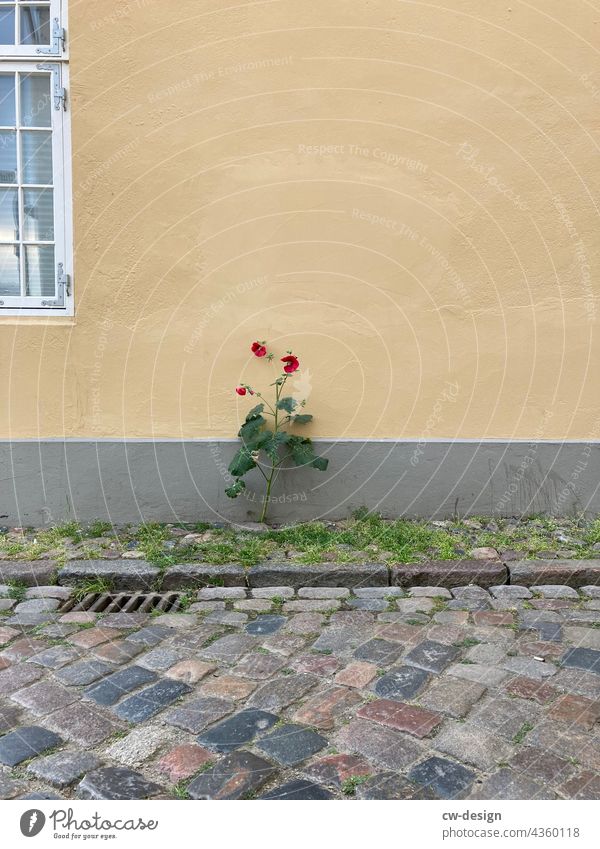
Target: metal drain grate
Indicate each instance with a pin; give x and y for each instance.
(124, 603)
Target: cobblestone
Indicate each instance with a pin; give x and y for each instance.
(212, 593)
(542, 766)
(237, 730)
(116, 783)
(196, 715)
(529, 667)
(322, 709)
(508, 784)
(581, 658)
(233, 777)
(115, 686)
(496, 699)
(291, 744)
(323, 592)
(272, 592)
(63, 768)
(447, 779)
(299, 790)
(336, 769)
(84, 724)
(83, 672)
(401, 716)
(44, 697)
(25, 743)
(473, 745)
(358, 674)
(528, 688)
(259, 666)
(16, 677)
(228, 687)
(555, 591)
(402, 682)
(452, 696)
(379, 744)
(184, 761)
(265, 625)
(151, 701)
(282, 692)
(139, 745)
(390, 785)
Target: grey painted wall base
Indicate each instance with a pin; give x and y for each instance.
(49, 481)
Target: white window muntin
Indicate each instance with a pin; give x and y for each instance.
(31, 29)
(50, 57)
(29, 246)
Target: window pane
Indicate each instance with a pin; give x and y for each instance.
(38, 215)
(36, 152)
(7, 100)
(8, 156)
(35, 100)
(39, 270)
(9, 215)
(35, 25)
(7, 25)
(9, 270)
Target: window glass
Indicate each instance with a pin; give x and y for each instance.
(36, 157)
(34, 25)
(7, 100)
(7, 25)
(36, 100)
(39, 270)
(9, 270)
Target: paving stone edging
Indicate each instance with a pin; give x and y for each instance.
(142, 575)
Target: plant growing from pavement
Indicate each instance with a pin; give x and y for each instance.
(265, 432)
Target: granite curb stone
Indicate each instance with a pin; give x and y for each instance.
(318, 575)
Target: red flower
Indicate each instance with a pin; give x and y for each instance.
(258, 349)
(241, 390)
(292, 363)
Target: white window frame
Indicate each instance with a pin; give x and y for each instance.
(27, 58)
(35, 50)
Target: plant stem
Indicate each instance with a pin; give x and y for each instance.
(274, 464)
(263, 515)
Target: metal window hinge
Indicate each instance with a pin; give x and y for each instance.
(58, 91)
(63, 288)
(59, 37)
(60, 97)
(63, 279)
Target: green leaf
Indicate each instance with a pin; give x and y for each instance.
(241, 463)
(301, 450)
(275, 441)
(235, 489)
(255, 412)
(250, 429)
(305, 418)
(288, 404)
(303, 453)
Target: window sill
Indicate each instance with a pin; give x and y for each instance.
(15, 318)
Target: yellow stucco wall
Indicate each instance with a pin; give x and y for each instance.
(406, 193)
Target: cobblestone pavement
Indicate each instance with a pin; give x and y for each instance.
(316, 694)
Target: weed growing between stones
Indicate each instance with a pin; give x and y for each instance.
(265, 431)
(363, 538)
